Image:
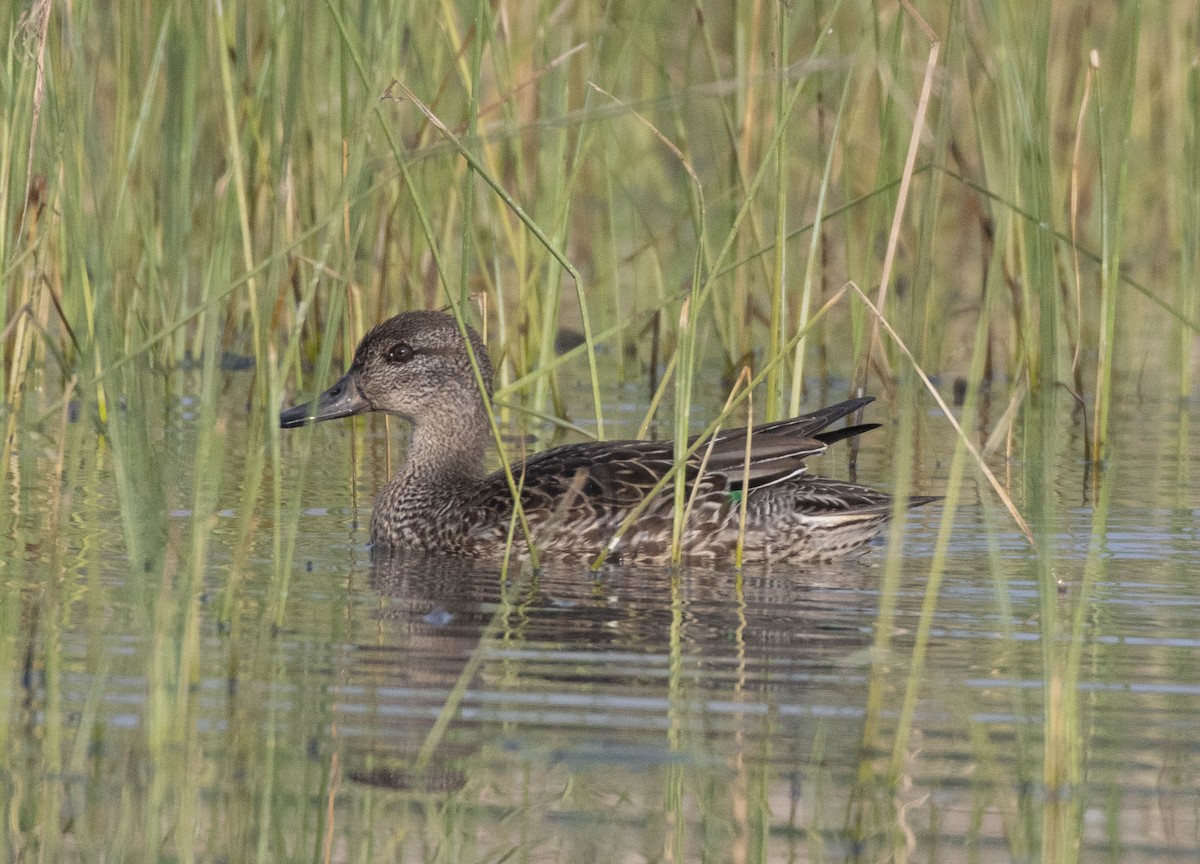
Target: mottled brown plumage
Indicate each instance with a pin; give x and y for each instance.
(574, 497)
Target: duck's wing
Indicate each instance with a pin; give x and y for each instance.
(778, 450)
(597, 476)
(606, 477)
(810, 425)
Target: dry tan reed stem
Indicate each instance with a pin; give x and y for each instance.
(910, 160)
(937, 397)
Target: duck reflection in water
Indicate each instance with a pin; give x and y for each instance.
(448, 633)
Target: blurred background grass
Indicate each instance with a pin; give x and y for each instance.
(168, 168)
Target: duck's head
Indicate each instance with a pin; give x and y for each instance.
(415, 366)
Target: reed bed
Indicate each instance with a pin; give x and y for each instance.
(992, 203)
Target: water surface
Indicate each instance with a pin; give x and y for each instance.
(370, 708)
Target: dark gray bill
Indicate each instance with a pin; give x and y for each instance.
(343, 399)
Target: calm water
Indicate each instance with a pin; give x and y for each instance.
(420, 711)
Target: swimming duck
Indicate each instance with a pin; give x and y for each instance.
(443, 501)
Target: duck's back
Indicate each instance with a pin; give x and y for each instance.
(577, 498)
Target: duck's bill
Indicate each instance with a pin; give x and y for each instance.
(343, 399)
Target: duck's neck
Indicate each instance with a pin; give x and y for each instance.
(438, 456)
(444, 461)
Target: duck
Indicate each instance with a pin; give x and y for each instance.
(575, 498)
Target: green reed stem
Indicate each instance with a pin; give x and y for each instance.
(1113, 171)
(937, 567)
(814, 254)
(1189, 265)
(779, 272)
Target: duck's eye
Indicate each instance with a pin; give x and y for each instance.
(401, 352)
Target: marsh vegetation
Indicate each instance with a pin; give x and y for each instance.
(659, 214)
